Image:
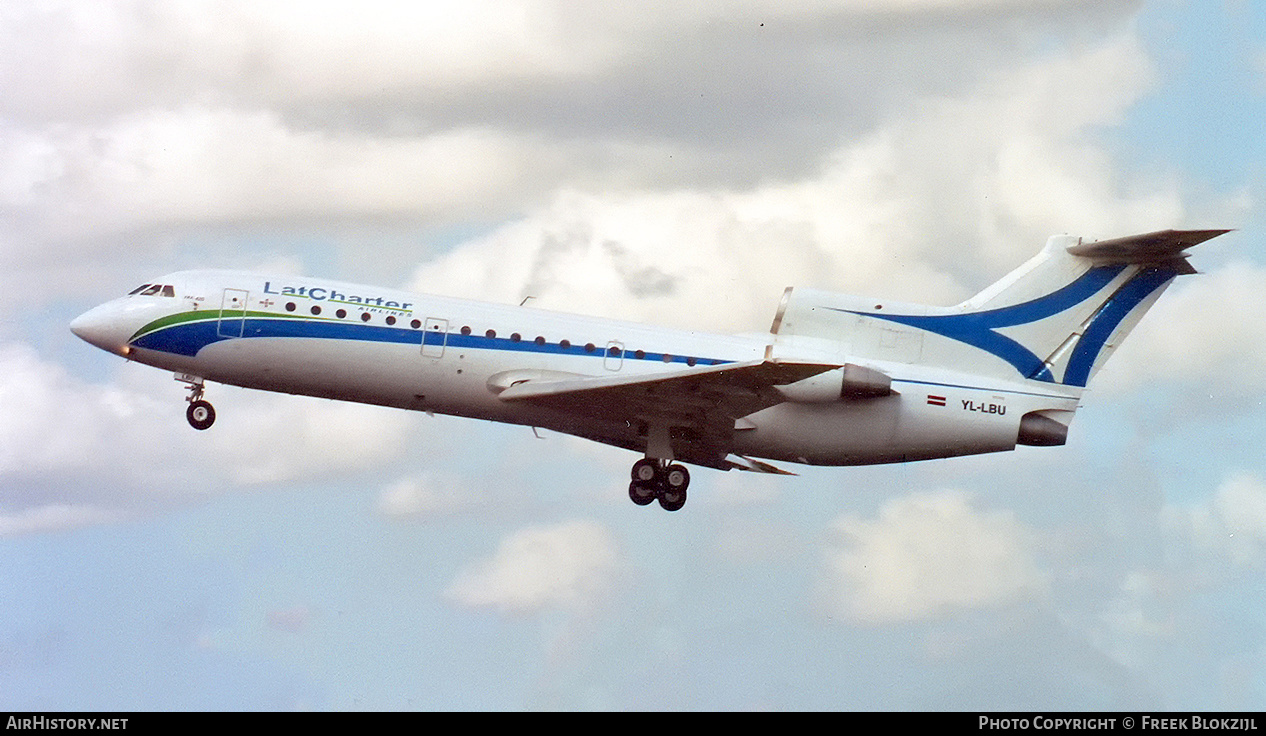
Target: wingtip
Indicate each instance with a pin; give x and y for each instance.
(1195, 237)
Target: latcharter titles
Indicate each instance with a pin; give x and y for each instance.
(325, 294)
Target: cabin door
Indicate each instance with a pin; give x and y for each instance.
(434, 337)
(613, 360)
(232, 313)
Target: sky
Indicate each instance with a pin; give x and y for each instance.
(676, 163)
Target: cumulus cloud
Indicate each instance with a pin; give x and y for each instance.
(929, 208)
(127, 115)
(268, 438)
(573, 566)
(1205, 330)
(1231, 523)
(49, 421)
(927, 554)
(424, 496)
(74, 453)
(95, 58)
(90, 57)
(209, 166)
(1162, 609)
(53, 517)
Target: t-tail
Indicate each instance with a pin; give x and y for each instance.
(1053, 320)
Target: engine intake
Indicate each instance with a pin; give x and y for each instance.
(842, 384)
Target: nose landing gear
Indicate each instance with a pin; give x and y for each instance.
(200, 413)
(659, 480)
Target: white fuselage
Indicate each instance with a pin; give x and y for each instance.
(356, 343)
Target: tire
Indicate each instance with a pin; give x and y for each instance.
(672, 499)
(645, 471)
(200, 414)
(676, 477)
(641, 494)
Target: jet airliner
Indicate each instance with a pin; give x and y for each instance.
(837, 380)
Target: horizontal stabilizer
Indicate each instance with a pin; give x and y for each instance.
(1162, 245)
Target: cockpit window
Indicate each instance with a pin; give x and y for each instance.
(153, 290)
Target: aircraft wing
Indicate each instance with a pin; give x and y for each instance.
(699, 405)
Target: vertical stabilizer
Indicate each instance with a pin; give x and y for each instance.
(1055, 319)
(1058, 317)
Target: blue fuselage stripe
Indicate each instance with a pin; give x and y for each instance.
(188, 338)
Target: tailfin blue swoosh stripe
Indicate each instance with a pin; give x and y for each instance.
(1109, 317)
(978, 328)
(1066, 297)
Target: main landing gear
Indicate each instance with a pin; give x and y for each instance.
(659, 480)
(200, 413)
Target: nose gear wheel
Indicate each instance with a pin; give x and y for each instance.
(200, 413)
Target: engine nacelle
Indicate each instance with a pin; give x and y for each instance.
(842, 384)
(1044, 428)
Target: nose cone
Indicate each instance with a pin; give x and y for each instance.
(104, 327)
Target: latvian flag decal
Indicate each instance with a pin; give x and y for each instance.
(936, 400)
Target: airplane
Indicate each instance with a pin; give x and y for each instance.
(837, 380)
